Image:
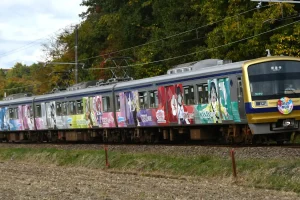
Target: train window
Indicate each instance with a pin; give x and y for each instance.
(189, 98)
(118, 105)
(31, 111)
(240, 87)
(79, 107)
(64, 108)
(106, 104)
(38, 111)
(58, 108)
(11, 113)
(16, 113)
(72, 108)
(202, 93)
(143, 100)
(153, 99)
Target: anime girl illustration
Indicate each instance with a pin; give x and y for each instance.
(181, 114)
(132, 108)
(98, 111)
(50, 115)
(174, 105)
(28, 118)
(214, 106)
(88, 117)
(4, 119)
(137, 119)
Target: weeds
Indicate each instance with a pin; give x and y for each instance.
(271, 173)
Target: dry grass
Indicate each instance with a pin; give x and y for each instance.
(280, 174)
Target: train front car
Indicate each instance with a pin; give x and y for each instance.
(272, 97)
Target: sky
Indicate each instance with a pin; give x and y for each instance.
(27, 24)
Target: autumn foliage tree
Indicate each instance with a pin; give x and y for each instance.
(159, 34)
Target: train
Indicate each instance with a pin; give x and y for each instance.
(249, 101)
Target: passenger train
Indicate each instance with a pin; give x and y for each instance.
(210, 100)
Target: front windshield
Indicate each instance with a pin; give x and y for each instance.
(275, 79)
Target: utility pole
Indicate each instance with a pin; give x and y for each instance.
(76, 58)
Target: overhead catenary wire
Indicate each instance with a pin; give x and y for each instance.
(34, 43)
(29, 44)
(176, 57)
(26, 46)
(213, 48)
(174, 35)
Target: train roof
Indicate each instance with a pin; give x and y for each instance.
(169, 78)
(200, 69)
(146, 82)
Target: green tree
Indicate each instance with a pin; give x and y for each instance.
(155, 35)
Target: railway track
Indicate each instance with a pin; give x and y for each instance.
(288, 145)
(288, 151)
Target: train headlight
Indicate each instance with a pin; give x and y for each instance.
(288, 122)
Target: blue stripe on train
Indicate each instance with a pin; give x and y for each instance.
(250, 110)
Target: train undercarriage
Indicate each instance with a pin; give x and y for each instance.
(230, 134)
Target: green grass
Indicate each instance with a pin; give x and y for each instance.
(295, 138)
(276, 174)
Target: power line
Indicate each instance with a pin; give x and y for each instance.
(28, 45)
(213, 48)
(175, 35)
(34, 43)
(176, 57)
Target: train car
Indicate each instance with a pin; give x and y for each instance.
(272, 96)
(215, 100)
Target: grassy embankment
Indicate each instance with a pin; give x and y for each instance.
(264, 173)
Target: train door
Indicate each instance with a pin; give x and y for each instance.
(26, 116)
(241, 103)
(108, 119)
(50, 114)
(93, 106)
(171, 107)
(87, 110)
(174, 99)
(38, 117)
(121, 109)
(131, 107)
(224, 98)
(161, 112)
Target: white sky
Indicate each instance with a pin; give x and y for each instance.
(26, 24)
